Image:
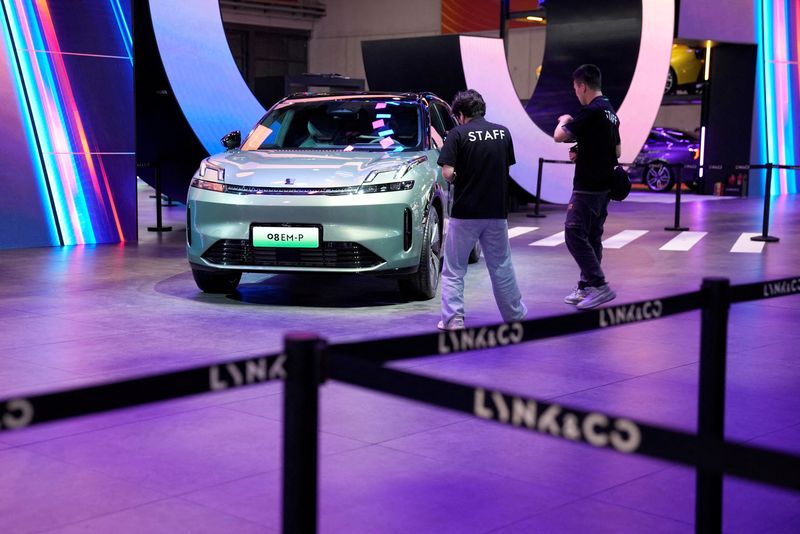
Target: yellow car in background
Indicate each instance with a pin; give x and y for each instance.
(685, 68)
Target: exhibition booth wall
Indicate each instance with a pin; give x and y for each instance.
(67, 82)
(67, 161)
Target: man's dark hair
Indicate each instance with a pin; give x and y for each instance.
(590, 75)
(470, 103)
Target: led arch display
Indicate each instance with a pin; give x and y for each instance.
(633, 32)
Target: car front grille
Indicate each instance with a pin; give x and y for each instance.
(331, 255)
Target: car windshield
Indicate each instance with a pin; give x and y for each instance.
(383, 125)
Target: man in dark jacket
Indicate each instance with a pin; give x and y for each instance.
(596, 129)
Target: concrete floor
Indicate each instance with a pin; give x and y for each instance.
(82, 315)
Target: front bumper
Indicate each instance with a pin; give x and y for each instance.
(359, 233)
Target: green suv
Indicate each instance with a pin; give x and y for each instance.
(326, 183)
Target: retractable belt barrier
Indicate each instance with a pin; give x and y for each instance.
(307, 361)
(506, 334)
(573, 424)
(765, 290)
(21, 412)
(676, 227)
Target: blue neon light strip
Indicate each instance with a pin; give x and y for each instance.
(49, 113)
(122, 24)
(778, 89)
(30, 133)
(80, 197)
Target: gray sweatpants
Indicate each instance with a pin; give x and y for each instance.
(462, 234)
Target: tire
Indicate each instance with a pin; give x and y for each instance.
(672, 82)
(216, 282)
(424, 283)
(658, 177)
(475, 255)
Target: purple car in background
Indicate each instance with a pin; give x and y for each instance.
(665, 147)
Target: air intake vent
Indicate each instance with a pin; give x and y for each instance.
(332, 254)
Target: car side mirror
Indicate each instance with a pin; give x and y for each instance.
(232, 140)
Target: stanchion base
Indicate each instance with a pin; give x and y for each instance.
(535, 215)
(765, 238)
(159, 228)
(676, 228)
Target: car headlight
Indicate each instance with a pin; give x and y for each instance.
(387, 180)
(208, 185)
(386, 187)
(380, 176)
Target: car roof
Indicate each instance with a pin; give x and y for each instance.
(357, 95)
(673, 132)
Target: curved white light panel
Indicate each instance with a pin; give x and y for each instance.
(204, 78)
(486, 71)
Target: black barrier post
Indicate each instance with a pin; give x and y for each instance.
(711, 404)
(767, 198)
(678, 186)
(158, 227)
(300, 437)
(536, 213)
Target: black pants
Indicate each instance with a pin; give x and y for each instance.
(583, 233)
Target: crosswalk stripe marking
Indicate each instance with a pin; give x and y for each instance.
(552, 241)
(519, 230)
(623, 238)
(743, 244)
(684, 241)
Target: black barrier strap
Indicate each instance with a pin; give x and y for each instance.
(765, 290)
(506, 334)
(21, 412)
(573, 424)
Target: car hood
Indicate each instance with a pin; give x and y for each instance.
(305, 168)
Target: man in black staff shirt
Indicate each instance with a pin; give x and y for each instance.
(596, 129)
(475, 160)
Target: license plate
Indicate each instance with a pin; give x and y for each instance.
(286, 236)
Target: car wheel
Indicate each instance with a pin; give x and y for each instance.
(216, 282)
(658, 177)
(672, 82)
(475, 255)
(423, 285)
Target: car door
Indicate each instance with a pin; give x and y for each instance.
(442, 122)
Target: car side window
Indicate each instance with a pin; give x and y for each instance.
(436, 121)
(447, 119)
(441, 121)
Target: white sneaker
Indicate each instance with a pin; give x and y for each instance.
(595, 296)
(576, 296)
(456, 323)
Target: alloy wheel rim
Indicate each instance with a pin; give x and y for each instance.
(658, 178)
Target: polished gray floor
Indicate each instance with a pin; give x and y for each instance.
(211, 463)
